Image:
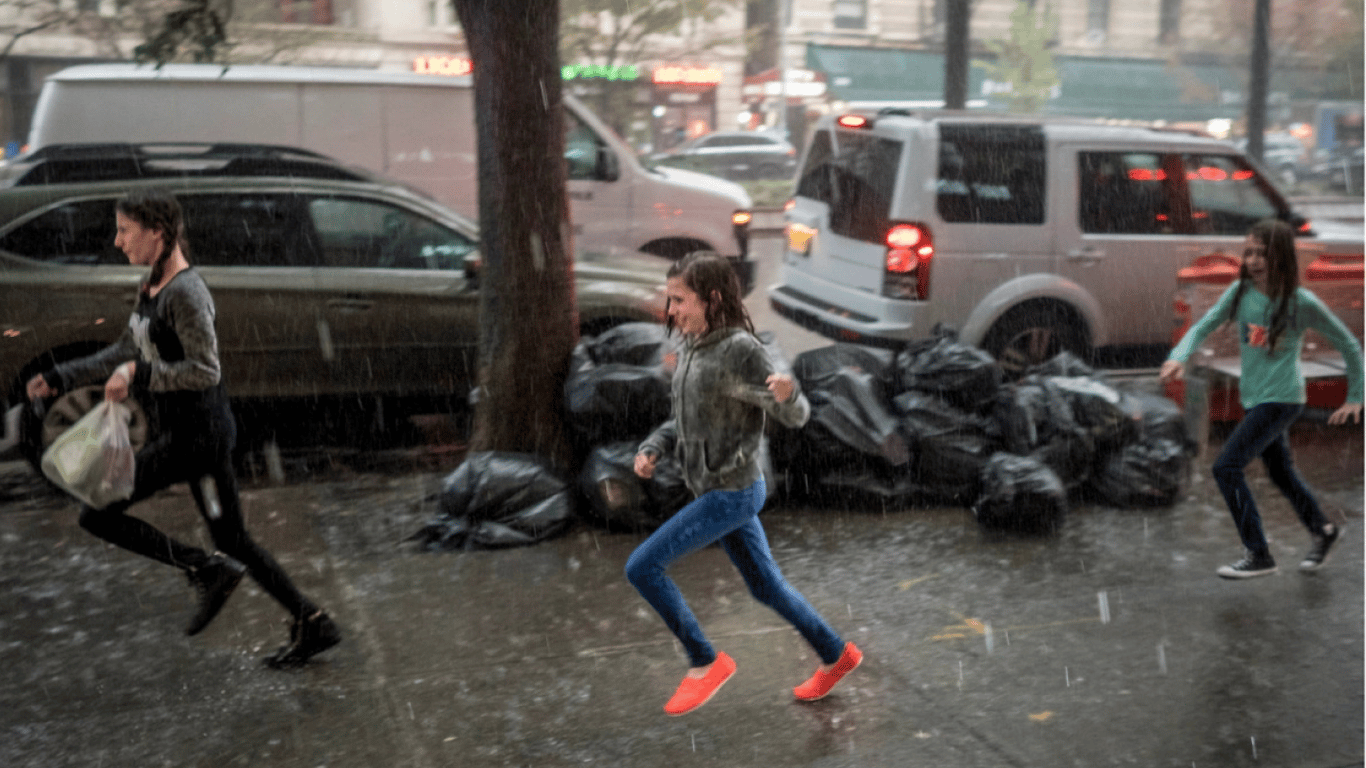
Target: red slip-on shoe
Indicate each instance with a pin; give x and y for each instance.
(818, 687)
(693, 692)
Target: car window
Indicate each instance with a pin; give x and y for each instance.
(1123, 193)
(368, 234)
(856, 179)
(991, 174)
(248, 229)
(80, 232)
(583, 150)
(1227, 196)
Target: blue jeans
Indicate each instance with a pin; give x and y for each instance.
(1263, 433)
(732, 517)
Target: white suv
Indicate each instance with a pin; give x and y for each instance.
(1025, 235)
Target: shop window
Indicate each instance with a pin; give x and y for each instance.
(1169, 22)
(851, 14)
(306, 12)
(1097, 21)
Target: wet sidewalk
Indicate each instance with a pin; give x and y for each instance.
(1110, 643)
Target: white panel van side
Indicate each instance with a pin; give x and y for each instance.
(418, 129)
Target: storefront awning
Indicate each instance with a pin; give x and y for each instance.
(1132, 89)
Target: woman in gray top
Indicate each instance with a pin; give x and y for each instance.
(724, 388)
(167, 359)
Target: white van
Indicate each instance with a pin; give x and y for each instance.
(1027, 236)
(418, 129)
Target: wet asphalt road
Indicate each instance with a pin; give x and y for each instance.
(1108, 643)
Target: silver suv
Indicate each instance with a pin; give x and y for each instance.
(1026, 236)
(328, 280)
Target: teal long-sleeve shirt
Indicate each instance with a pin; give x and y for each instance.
(1275, 377)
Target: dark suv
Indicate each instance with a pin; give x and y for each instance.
(328, 280)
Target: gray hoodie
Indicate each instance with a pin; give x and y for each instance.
(720, 399)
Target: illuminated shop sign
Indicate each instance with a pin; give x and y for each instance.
(442, 65)
(675, 75)
(625, 72)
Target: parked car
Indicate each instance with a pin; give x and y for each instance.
(1283, 155)
(415, 128)
(328, 280)
(733, 155)
(1027, 236)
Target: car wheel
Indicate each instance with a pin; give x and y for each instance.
(36, 433)
(1029, 335)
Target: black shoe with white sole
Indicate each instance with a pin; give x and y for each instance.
(1318, 552)
(1251, 566)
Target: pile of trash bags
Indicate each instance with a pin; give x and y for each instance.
(934, 422)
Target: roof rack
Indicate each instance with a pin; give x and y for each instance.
(74, 163)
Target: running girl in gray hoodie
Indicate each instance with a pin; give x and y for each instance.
(724, 388)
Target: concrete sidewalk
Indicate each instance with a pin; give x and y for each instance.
(1111, 643)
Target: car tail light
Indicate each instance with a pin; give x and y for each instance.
(739, 224)
(740, 218)
(854, 121)
(910, 251)
(790, 204)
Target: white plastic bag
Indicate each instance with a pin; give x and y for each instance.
(93, 460)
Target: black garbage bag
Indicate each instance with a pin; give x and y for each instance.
(496, 499)
(852, 407)
(950, 445)
(965, 376)
(1062, 364)
(1146, 474)
(815, 368)
(1020, 493)
(629, 343)
(616, 401)
(1096, 406)
(620, 499)
(1034, 418)
(1159, 418)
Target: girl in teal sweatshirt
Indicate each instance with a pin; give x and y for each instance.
(1272, 313)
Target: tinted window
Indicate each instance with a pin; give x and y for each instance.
(582, 150)
(248, 230)
(368, 234)
(991, 174)
(1123, 193)
(72, 233)
(856, 180)
(1227, 196)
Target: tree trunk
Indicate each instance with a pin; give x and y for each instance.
(528, 322)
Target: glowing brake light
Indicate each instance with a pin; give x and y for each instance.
(741, 218)
(853, 121)
(790, 204)
(910, 249)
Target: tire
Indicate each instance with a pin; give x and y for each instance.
(37, 434)
(1033, 334)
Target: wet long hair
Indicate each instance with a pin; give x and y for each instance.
(158, 211)
(1282, 275)
(715, 282)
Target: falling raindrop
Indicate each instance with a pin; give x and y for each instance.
(991, 641)
(960, 674)
(1067, 676)
(1103, 598)
(1162, 658)
(1254, 747)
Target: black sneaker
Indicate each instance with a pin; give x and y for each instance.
(214, 581)
(1251, 566)
(1318, 553)
(308, 637)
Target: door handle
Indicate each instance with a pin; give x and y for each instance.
(1087, 255)
(350, 305)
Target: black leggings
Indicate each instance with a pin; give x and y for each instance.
(202, 461)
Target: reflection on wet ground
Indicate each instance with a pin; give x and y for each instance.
(1109, 643)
